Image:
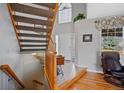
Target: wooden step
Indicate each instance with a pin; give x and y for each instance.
(32, 50)
(34, 29)
(31, 35)
(38, 82)
(33, 41)
(31, 10)
(52, 5)
(31, 20)
(33, 45)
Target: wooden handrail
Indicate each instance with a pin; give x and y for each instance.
(6, 68)
(50, 58)
(51, 66)
(54, 18)
(52, 41)
(52, 44)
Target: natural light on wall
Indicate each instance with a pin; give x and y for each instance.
(57, 43)
(65, 13)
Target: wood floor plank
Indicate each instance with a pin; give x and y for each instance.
(95, 77)
(92, 81)
(95, 85)
(73, 80)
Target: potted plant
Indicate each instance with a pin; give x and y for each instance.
(80, 16)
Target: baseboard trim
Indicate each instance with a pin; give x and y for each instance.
(90, 70)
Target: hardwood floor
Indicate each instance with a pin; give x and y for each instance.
(92, 81)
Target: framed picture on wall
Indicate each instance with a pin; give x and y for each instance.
(87, 38)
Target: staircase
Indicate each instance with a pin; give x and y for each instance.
(33, 24)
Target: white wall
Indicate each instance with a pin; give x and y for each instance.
(25, 66)
(67, 28)
(9, 49)
(88, 53)
(100, 10)
(78, 8)
(32, 71)
(66, 40)
(95, 10)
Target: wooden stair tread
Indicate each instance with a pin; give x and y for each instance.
(31, 10)
(33, 41)
(23, 15)
(31, 29)
(31, 35)
(38, 82)
(32, 49)
(33, 45)
(31, 20)
(52, 5)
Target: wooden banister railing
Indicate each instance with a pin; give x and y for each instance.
(50, 59)
(50, 66)
(6, 68)
(54, 18)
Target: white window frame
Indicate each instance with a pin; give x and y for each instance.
(65, 13)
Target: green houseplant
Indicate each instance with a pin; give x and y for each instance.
(80, 16)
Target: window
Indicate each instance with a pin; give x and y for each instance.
(112, 39)
(65, 13)
(118, 32)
